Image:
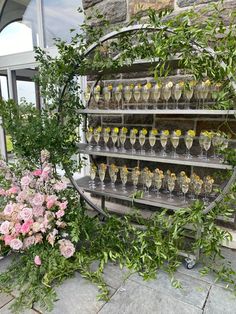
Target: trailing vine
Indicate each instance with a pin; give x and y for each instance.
(55, 128)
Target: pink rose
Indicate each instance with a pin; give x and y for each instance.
(26, 214)
(60, 186)
(60, 213)
(16, 244)
(51, 200)
(21, 196)
(25, 181)
(37, 260)
(37, 172)
(38, 199)
(2, 192)
(7, 239)
(5, 227)
(63, 205)
(17, 228)
(67, 248)
(25, 228)
(28, 242)
(12, 190)
(8, 209)
(38, 211)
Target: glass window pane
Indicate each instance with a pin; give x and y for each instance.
(3, 87)
(26, 91)
(59, 17)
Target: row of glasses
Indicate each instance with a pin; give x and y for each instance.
(168, 181)
(218, 140)
(150, 93)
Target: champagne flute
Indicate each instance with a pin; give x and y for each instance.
(158, 180)
(133, 138)
(207, 186)
(171, 185)
(142, 138)
(188, 140)
(177, 92)
(106, 137)
(198, 187)
(214, 90)
(102, 172)
(148, 181)
(205, 91)
(135, 176)
(175, 141)
(137, 94)
(113, 170)
(152, 140)
(188, 92)
(143, 174)
(185, 187)
(124, 177)
(89, 136)
(122, 137)
(146, 93)
(114, 137)
(118, 95)
(197, 94)
(156, 93)
(97, 135)
(128, 91)
(93, 171)
(96, 94)
(107, 95)
(166, 92)
(207, 142)
(164, 139)
(217, 141)
(201, 139)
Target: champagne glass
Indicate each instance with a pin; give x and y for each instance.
(197, 94)
(152, 139)
(214, 90)
(205, 91)
(181, 176)
(191, 185)
(166, 92)
(165, 179)
(143, 174)
(124, 177)
(207, 143)
(113, 170)
(135, 176)
(175, 141)
(158, 180)
(118, 95)
(217, 141)
(106, 137)
(185, 187)
(188, 140)
(89, 136)
(188, 92)
(142, 138)
(146, 91)
(96, 94)
(207, 186)
(122, 137)
(107, 95)
(156, 93)
(114, 137)
(102, 172)
(148, 181)
(198, 187)
(171, 185)
(164, 139)
(177, 92)
(128, 91)
(133, 138)
(137, 94)
(92, 172)
(87, 95)
(201, 139)
(96, 136)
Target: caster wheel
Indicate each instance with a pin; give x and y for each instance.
(189, 264)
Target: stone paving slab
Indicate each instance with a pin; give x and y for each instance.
(114, 276)
(134, 298)
(5, 262)
(220, 301)
(193, 291)
(4, 299)
(6, 310)
(77, 296)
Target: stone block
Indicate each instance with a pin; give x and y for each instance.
(4, 299)
(6, 310)
(136, 6)
(186, 3)
(135, 298)
(89, 3)
(113, 10)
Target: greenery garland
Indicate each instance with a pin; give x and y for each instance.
(55, 128)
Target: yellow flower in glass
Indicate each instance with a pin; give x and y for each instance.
(96, 136)
(166, 92)
(135, 177)
(118, 95)
(198, 187)
(132, 138)
(102, 172)
(106, 137)
(93, 171)
(188, 92)
(148, 181)
(142, 138)
(107, 95)
(128, 91)
(205, 91)
(113, 170)
(158, 177)
(177, 92)
(164, 139)
(122, 137)
(156, 93)
(146, 93)
(87, 94)
(175, 141)
(96, 94)
(137, 94)
(89, 136)
(206, 141)
(171, 184)
(207, 186)
(114, 137)
(152, 139)
(188, 140)
(185, 187)
(124, 177)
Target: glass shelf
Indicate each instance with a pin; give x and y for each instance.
(162, 200)
(158, 111)
(181, 160)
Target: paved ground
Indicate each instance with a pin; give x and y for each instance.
(131, 295)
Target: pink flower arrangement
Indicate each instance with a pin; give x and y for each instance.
(34, 209)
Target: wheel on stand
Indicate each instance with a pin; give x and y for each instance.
(190, 263)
